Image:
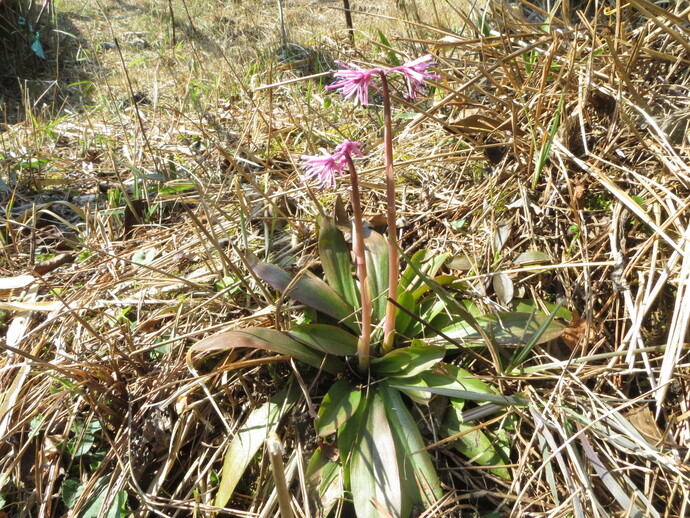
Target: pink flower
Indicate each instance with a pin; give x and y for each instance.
(326, 167)
(347, 148)
(415, 74)
(354, 82)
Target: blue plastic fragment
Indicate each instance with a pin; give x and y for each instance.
(37, 47)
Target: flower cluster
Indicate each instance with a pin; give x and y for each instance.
(415, 74)
(327, 167)
(354, 82)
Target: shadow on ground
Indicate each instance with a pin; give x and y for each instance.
(41, 62)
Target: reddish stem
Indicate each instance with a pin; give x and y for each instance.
(393, 256)
(364, 342)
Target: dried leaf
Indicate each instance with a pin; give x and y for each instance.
(54, 262)
(30, 306)
(576, 331)
(503, 286)
(501, 235)
(13, 283)
(460, 262)
(528, 258)
(269, 340)
(643, 420)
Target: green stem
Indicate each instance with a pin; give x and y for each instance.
(364, 342)
(393, 256)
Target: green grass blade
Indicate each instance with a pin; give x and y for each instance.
(392, 56)
(543, 154)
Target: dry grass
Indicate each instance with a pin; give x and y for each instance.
(133, 219)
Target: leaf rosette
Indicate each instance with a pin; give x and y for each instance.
(381, 456)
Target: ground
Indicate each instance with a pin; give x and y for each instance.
(157, 148)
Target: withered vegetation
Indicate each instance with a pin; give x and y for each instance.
(552, 158)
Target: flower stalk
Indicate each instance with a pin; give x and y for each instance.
(364, 342)
(354, 83)
(325, 168)
(391, 216)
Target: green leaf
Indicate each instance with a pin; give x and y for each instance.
(450, 302)
(426, 261)
(144, 257)
(392, 56)
(177, 186)
(347, 434)
(474, 444)
(409, 280)
(413, 388)
(325, 477)
(508, 328)
(454, 382)
(462, 394)
(99, 500)
(425, 484)
(427, 310)
(521, 355)
(309, 290)
(408, 361)
(325, 338)
(376, 254)
(338, 406)
(118, 507)
(454, 377)
(71, 491)
(374, 470)
(402, 318)
(85, 438)
(336, 261)
(527, 306)
(244, 446)
(439, 280)
(269, 340)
